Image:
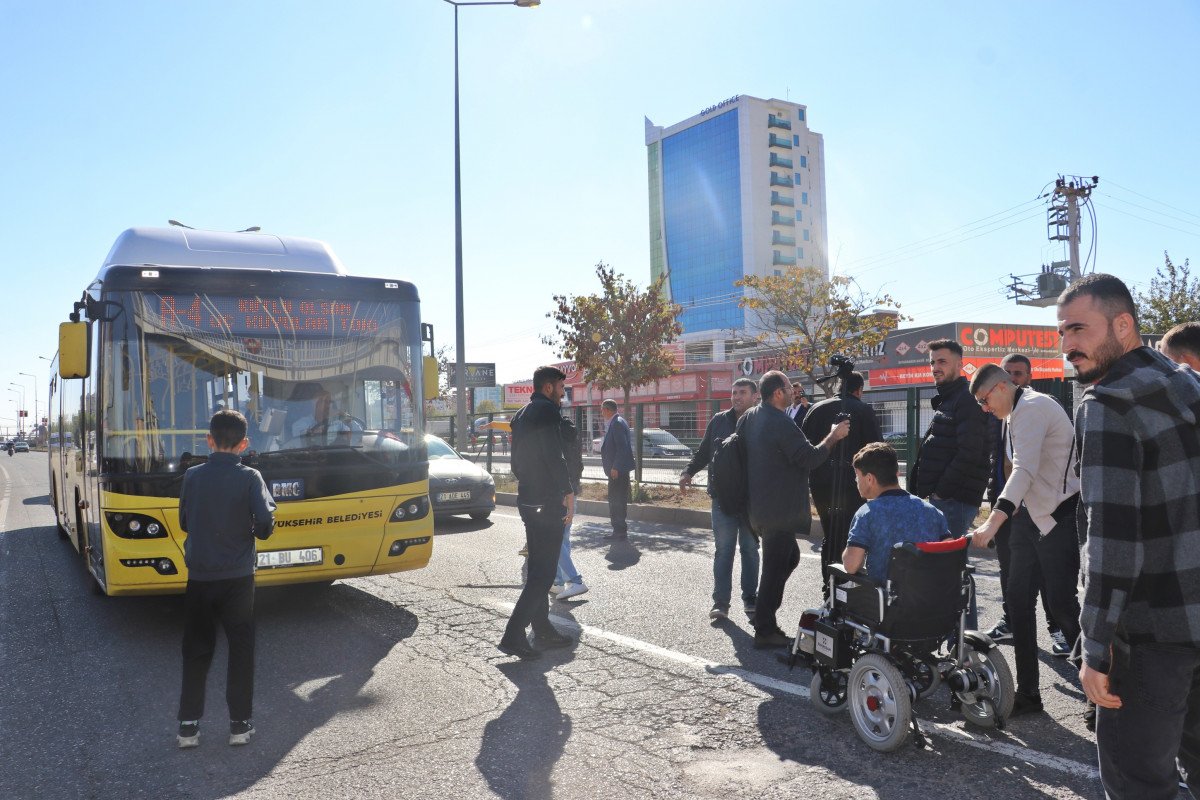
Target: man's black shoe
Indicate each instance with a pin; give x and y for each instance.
(551, 638)
(1089, 716)
(519, 648)
(775, 638)
(1026, 704)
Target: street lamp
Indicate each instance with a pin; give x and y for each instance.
(36, 418)
(22, 409)
(460, 361)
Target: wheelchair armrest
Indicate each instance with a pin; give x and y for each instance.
(840, 575)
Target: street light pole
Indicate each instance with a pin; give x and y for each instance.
(37, 421)
(460, 365)
(20, 425)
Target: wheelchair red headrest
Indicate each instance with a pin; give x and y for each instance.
(944, 546)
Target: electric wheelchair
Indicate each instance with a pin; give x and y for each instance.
(876, 649)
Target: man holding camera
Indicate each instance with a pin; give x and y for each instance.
(833, 483)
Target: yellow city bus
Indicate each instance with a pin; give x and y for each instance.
(327, 368)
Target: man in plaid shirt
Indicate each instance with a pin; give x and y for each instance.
(1138, 440)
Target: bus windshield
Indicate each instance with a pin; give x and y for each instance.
(311, 374)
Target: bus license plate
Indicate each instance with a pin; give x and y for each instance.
(445, 497)
(272, 559)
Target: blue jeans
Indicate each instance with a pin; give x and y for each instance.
(566, 567)
(959, 517)
(730, 533)
(1159, 685)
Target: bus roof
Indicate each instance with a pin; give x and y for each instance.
(186, 247)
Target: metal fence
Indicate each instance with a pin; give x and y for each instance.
(904, 417)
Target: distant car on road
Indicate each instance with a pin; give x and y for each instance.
(456, 485)
(20, 446)
(656, 443)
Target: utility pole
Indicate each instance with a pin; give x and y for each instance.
(1063, 216)
(1062, 225)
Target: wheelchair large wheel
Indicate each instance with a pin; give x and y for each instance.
(880, 703)
(995, 683)
(828, 693)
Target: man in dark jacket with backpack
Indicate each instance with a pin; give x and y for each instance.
(778, 459)
(731, 530)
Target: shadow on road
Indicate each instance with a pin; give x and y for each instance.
(443, 526)
(40, 500)
(115, 663)
(522, 745)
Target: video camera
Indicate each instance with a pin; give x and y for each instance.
(844, 365)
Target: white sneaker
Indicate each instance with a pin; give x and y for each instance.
(571, 590)
(556, 588)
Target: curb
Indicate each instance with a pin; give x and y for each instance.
(644, 512)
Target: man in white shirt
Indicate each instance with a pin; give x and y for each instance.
(1040, 496)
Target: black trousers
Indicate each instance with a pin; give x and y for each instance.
(1054, 559)
(1159, 687)
(835, 510)
(1002, 555)
(231, 603)
(543, 540)
(780, 556)
(618, 503)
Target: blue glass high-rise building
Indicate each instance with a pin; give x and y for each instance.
(738, 189)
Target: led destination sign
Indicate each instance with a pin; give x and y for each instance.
(268, 316)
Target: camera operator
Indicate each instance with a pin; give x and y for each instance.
(834, 491)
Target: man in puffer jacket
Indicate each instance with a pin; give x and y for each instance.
(953, 463)
(1137, 432)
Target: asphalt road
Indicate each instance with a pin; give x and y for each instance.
(392, 687)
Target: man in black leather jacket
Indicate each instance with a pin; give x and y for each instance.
(833, 488)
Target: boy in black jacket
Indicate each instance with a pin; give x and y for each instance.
(223, 506)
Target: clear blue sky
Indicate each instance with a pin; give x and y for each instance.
(335, 121)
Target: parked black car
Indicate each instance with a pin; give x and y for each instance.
(456, 485)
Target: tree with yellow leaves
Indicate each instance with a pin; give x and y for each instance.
(806, 318)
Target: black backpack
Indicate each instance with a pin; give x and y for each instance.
(728, 479)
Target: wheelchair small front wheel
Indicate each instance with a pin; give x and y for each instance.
(828, 692)
(880, 703)
(995, 681)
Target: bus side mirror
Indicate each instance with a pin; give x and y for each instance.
(429, 374)
(74, 349)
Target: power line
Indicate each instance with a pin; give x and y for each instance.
(1151, 221)
(955, 243)
(1151, 210)
(951, 232)
(1152, 200)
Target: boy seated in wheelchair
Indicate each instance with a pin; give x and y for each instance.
(890, 516)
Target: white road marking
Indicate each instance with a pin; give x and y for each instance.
(692, 538)
(4, 499)
(706, 667)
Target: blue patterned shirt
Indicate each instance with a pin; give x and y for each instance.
(891, 518)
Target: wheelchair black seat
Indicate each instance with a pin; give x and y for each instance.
(924, 596)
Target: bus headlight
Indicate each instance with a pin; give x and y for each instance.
(134, 526)
(413, 508)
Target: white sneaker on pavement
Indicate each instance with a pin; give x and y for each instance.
(571, 590)
(556, 588)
